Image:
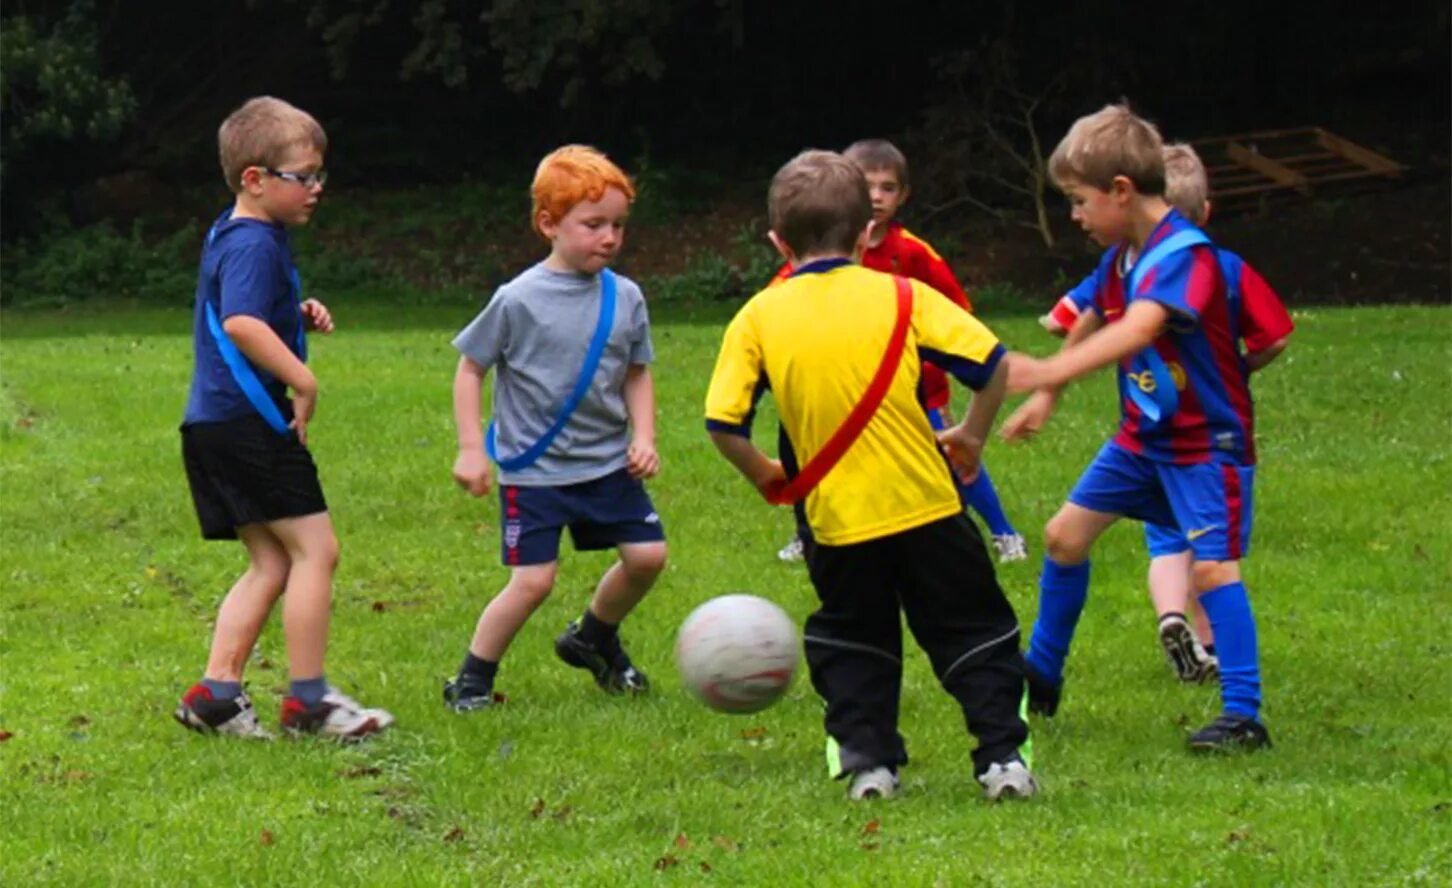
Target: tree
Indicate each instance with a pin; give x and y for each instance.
(984, 140)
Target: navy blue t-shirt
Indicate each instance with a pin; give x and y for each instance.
(246, 269)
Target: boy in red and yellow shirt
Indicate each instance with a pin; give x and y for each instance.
(895, 250)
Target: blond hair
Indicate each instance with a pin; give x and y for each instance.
(878, 154)
(818, 203)
(1187, 187)
(571, 175)
(1109, 143)
(261, 133)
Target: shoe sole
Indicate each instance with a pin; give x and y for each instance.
(1013, 793)
(1230, 747)
(1179, 643)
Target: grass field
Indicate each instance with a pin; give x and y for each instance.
(109, 595)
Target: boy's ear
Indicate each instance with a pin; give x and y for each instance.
(782, 247)
(251, 178)
(1205, 216)
(546, 224)
(907, 192)
(1121, 188)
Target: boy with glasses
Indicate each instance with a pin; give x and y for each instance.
(244, 439)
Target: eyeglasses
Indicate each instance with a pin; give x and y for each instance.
(306, 180)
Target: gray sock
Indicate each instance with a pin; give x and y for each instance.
(309, 691)
(223, 690)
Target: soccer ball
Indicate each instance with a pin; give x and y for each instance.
(737, 653)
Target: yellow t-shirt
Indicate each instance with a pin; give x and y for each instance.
(817, 339)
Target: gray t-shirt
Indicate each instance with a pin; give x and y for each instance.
(535, 332)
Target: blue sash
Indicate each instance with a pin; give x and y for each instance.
(582, 384)
(237, 363)
(1160, 400)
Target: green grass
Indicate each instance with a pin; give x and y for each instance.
(109, 595)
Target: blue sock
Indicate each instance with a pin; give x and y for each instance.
(983, 499)
(309, 691)
(1062, 593)
(1228, 608)
(223, 690)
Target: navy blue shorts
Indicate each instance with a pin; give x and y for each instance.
(600, 514)
(1211, 504)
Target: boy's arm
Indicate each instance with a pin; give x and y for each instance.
(964, 442)
(1139, 327)
(1257, 360)
(257, 341)
(1033, 414)
(764, 473)
(471, 467)
(641, 459)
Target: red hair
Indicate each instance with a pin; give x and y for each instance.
(571, 175)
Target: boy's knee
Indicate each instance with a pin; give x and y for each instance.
(533, 584)
(644, 561)
(1061, 543)
(1210, 575)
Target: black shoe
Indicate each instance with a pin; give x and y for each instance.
(1229, 733)
(1043, 696)
(607, 662)
(466, 693)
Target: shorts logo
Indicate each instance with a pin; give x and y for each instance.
(1196, 534)
(512, 530)
(652, 518)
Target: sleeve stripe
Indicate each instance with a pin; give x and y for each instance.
(973, 374)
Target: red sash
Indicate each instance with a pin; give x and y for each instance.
(822, 462)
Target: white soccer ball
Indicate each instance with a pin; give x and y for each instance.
(737, 653)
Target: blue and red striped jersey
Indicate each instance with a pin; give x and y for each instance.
(1215, 419)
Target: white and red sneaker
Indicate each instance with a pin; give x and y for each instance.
(337, 715)
(200, 712)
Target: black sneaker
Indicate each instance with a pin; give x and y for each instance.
(608, 662)
(1187, 657)
(1229, 733)
(1043, 696)
(466, 693)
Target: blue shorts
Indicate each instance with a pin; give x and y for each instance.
(601, 514)
(1164, 539)
(1210, 503)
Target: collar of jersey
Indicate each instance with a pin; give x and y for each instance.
(822, 265)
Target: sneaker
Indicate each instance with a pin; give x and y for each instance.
(1008, 779)
(792, 551)
(608, 663)
(1187, 657)
(1010, 547)
(873, 783)
(466, 693)
(1230, 732)
(1043, 695)
(337, 715)
(199, 712)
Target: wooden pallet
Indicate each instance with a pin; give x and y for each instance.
(1248, 167)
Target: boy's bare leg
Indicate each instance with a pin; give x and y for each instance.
(244, 611)
(506, 614)
(312, 548)
(1171, 583)
(626, 582)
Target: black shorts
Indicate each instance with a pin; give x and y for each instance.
(242, 472)
(601, 514)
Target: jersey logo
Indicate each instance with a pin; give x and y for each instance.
(1146, 380)
(1196, 534)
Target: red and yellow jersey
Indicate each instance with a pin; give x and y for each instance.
(816, 339)
(902, 252)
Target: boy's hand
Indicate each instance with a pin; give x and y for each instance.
(471, 472)
(1029, 417)
(641, 460)
(964, 451)
(304, 402)
(316, 317)
(771, 479)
